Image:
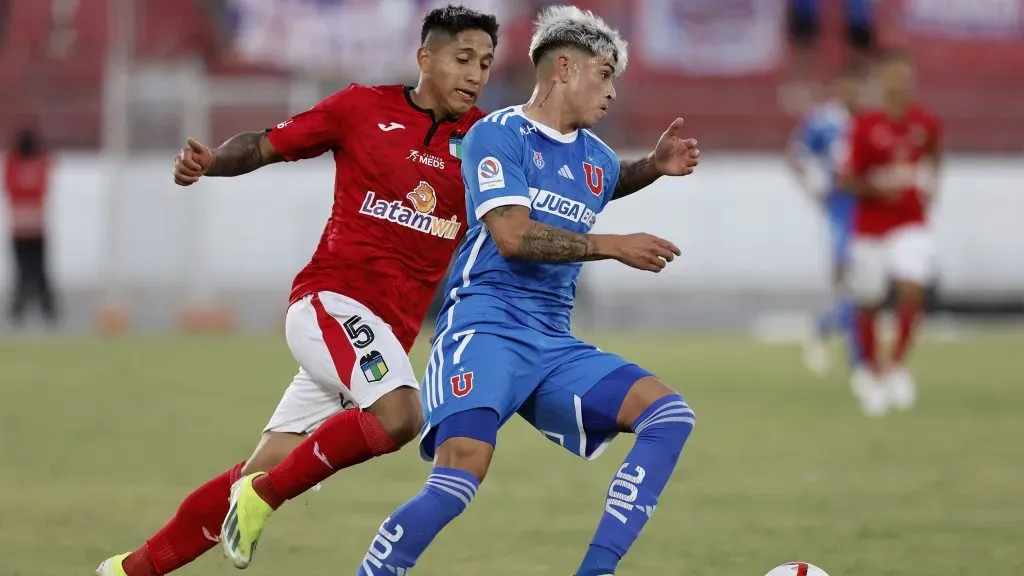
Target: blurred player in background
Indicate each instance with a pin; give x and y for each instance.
(816, 148)
(356, 308)
(27, 168)
(895, 154)
(536, 178)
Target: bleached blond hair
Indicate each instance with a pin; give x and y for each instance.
(568, 26)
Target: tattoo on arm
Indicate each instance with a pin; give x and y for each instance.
(543, 243)
(549, 244)
(633, 176)
(239, 155)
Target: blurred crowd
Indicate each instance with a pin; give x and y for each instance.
(739, 70)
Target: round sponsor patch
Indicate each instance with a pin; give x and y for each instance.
(489, 167)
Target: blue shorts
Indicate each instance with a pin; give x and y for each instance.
(504, 364)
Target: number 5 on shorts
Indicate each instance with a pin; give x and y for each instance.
(360, 334)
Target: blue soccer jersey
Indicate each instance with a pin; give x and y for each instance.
(503, 340)
(565, 180)
(822, 137)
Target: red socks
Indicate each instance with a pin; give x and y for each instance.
(345, 439)
(866, 337)
(907, 316)
(194, 529)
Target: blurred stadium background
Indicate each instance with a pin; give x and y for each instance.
(783, 467)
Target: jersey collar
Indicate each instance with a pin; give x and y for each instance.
(547, 130)
(408, 98)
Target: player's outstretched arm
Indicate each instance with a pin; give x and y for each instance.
(241, 154)
(672, 156)
(635, 175)
(520, 238)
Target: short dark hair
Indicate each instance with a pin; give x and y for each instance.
(453, 19)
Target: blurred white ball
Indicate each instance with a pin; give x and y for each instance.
(797, 569)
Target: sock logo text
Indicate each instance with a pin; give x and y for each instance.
(382, 545)
(623, 492)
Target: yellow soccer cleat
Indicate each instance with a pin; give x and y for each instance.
(247, 514)
(112, 566)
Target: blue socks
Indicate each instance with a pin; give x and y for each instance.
(405, 534)
(661, 431)
(841, 319)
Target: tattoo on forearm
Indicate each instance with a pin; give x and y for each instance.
(543, 243)
(239, 155)
(633, 176)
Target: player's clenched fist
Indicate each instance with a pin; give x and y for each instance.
(191, 163)
(643, 251)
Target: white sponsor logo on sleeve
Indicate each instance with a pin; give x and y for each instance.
(490, 174)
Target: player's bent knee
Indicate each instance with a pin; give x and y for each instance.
(668, 423)
(466, 441)
(467, 454)
(272, 449)
(644, 392)
(399, 413)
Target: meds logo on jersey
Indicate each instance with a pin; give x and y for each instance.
(572, 210)
(489, 174)
(426, 159)
(423, 199)
(373, 366)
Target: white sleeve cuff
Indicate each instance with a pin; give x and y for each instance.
(493, 203)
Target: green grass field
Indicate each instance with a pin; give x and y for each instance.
(101, 440)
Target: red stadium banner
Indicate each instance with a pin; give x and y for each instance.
(710, 37)
(369, 40)
(373, 40)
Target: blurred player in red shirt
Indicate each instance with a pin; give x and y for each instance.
(356, 308)
(26, 182)
(893, 168)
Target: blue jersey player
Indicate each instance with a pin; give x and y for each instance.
(818, 147)
(536, 179)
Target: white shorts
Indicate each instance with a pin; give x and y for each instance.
(905, 254)
(348, 358)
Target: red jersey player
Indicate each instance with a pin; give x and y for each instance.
(356, 308)
(893, 164)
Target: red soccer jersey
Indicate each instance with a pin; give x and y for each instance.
(26, 181)
(399, 203)
(893, 154)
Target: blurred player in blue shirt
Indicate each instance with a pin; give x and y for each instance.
(817, 149)
(536, 178)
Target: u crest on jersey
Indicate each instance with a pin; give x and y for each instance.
(595, 177)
